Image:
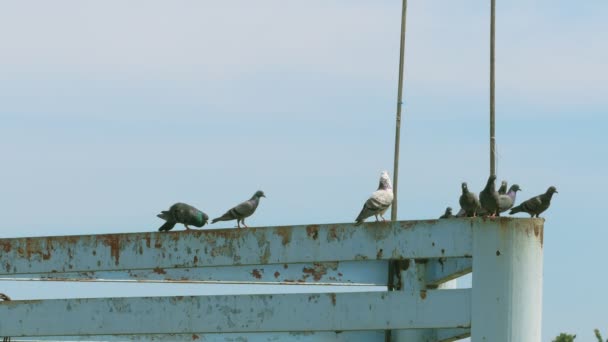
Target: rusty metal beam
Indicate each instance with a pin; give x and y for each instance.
(333, 336)
(236, 247)
(237, 314)
(439, 271)
(338, 273)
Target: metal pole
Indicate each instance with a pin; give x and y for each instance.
(507, 281)
(399, 105)
(492, 100)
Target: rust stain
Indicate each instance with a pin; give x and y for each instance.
(277, 274)
(333, 298)
(332, 234)
(195, 337)
(423, 294)
(313, 231)
(497, 253)
(159, 270)
(285, 234)
(317, 271)
(379, 254)
(195, 260)
(148, 240)
(256, 273)
(539, 233)
(112, 241)
(34, 247)
(285, 266)
(6, 246)
(361, 257)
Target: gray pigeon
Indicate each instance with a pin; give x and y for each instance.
(242, 211)
(488, 197)
(447, 214)
(503, 188)
(506, 201)
(184, 214)
(536, 205)
(380, 200)
(468, 202)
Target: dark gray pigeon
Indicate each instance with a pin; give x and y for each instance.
(184, 214)
(380, 200)
(535, 205)
(503, 188)
(242, 211)
(488, 197)
(447, 214)
(506, 201)
(468, 202)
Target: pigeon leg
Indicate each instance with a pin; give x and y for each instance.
(243, 221)
(376, 216)
(383, 219)
(238, 223)
(187, 228)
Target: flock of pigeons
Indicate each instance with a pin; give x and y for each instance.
(490, 203)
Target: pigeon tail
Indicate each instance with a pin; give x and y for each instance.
(165, 215)
(167, 226)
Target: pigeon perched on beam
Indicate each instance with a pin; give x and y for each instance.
(448, 213)
(380, 200)
(503, 188)
(488, 197)
(182, 213)
(242, 211)
(469, 203)
(536, 205)
(506, 201)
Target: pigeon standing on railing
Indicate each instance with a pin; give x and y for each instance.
(447, 214)
(468, 202)
(506, 201)
(242, 211)
(536, 205)
(6, 298)
(488, 197)
(184, 214)
(380, 200)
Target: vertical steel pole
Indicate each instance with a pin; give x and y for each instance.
(399, 105)
(507, 281)
(492, 79)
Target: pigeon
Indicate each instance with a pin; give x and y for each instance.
(536, 205)
(488, 197)
(469, 203)
(506, 201)
(503, 188)
(447, 214)
(4, 297)
(379, 202)
(242, 211)
(184, 214)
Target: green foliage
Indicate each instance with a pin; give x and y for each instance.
(564, 338)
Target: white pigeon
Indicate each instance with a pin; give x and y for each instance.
(380, 200)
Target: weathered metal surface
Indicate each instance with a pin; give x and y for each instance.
(234, 247)
(507, 281)
(244, 313)
(442, 270)
(450, 335)
(340, 336)
(370, 272)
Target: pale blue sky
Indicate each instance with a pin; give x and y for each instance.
(110, 111)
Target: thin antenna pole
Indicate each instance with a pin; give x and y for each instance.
(492, 100)
(399, 105)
